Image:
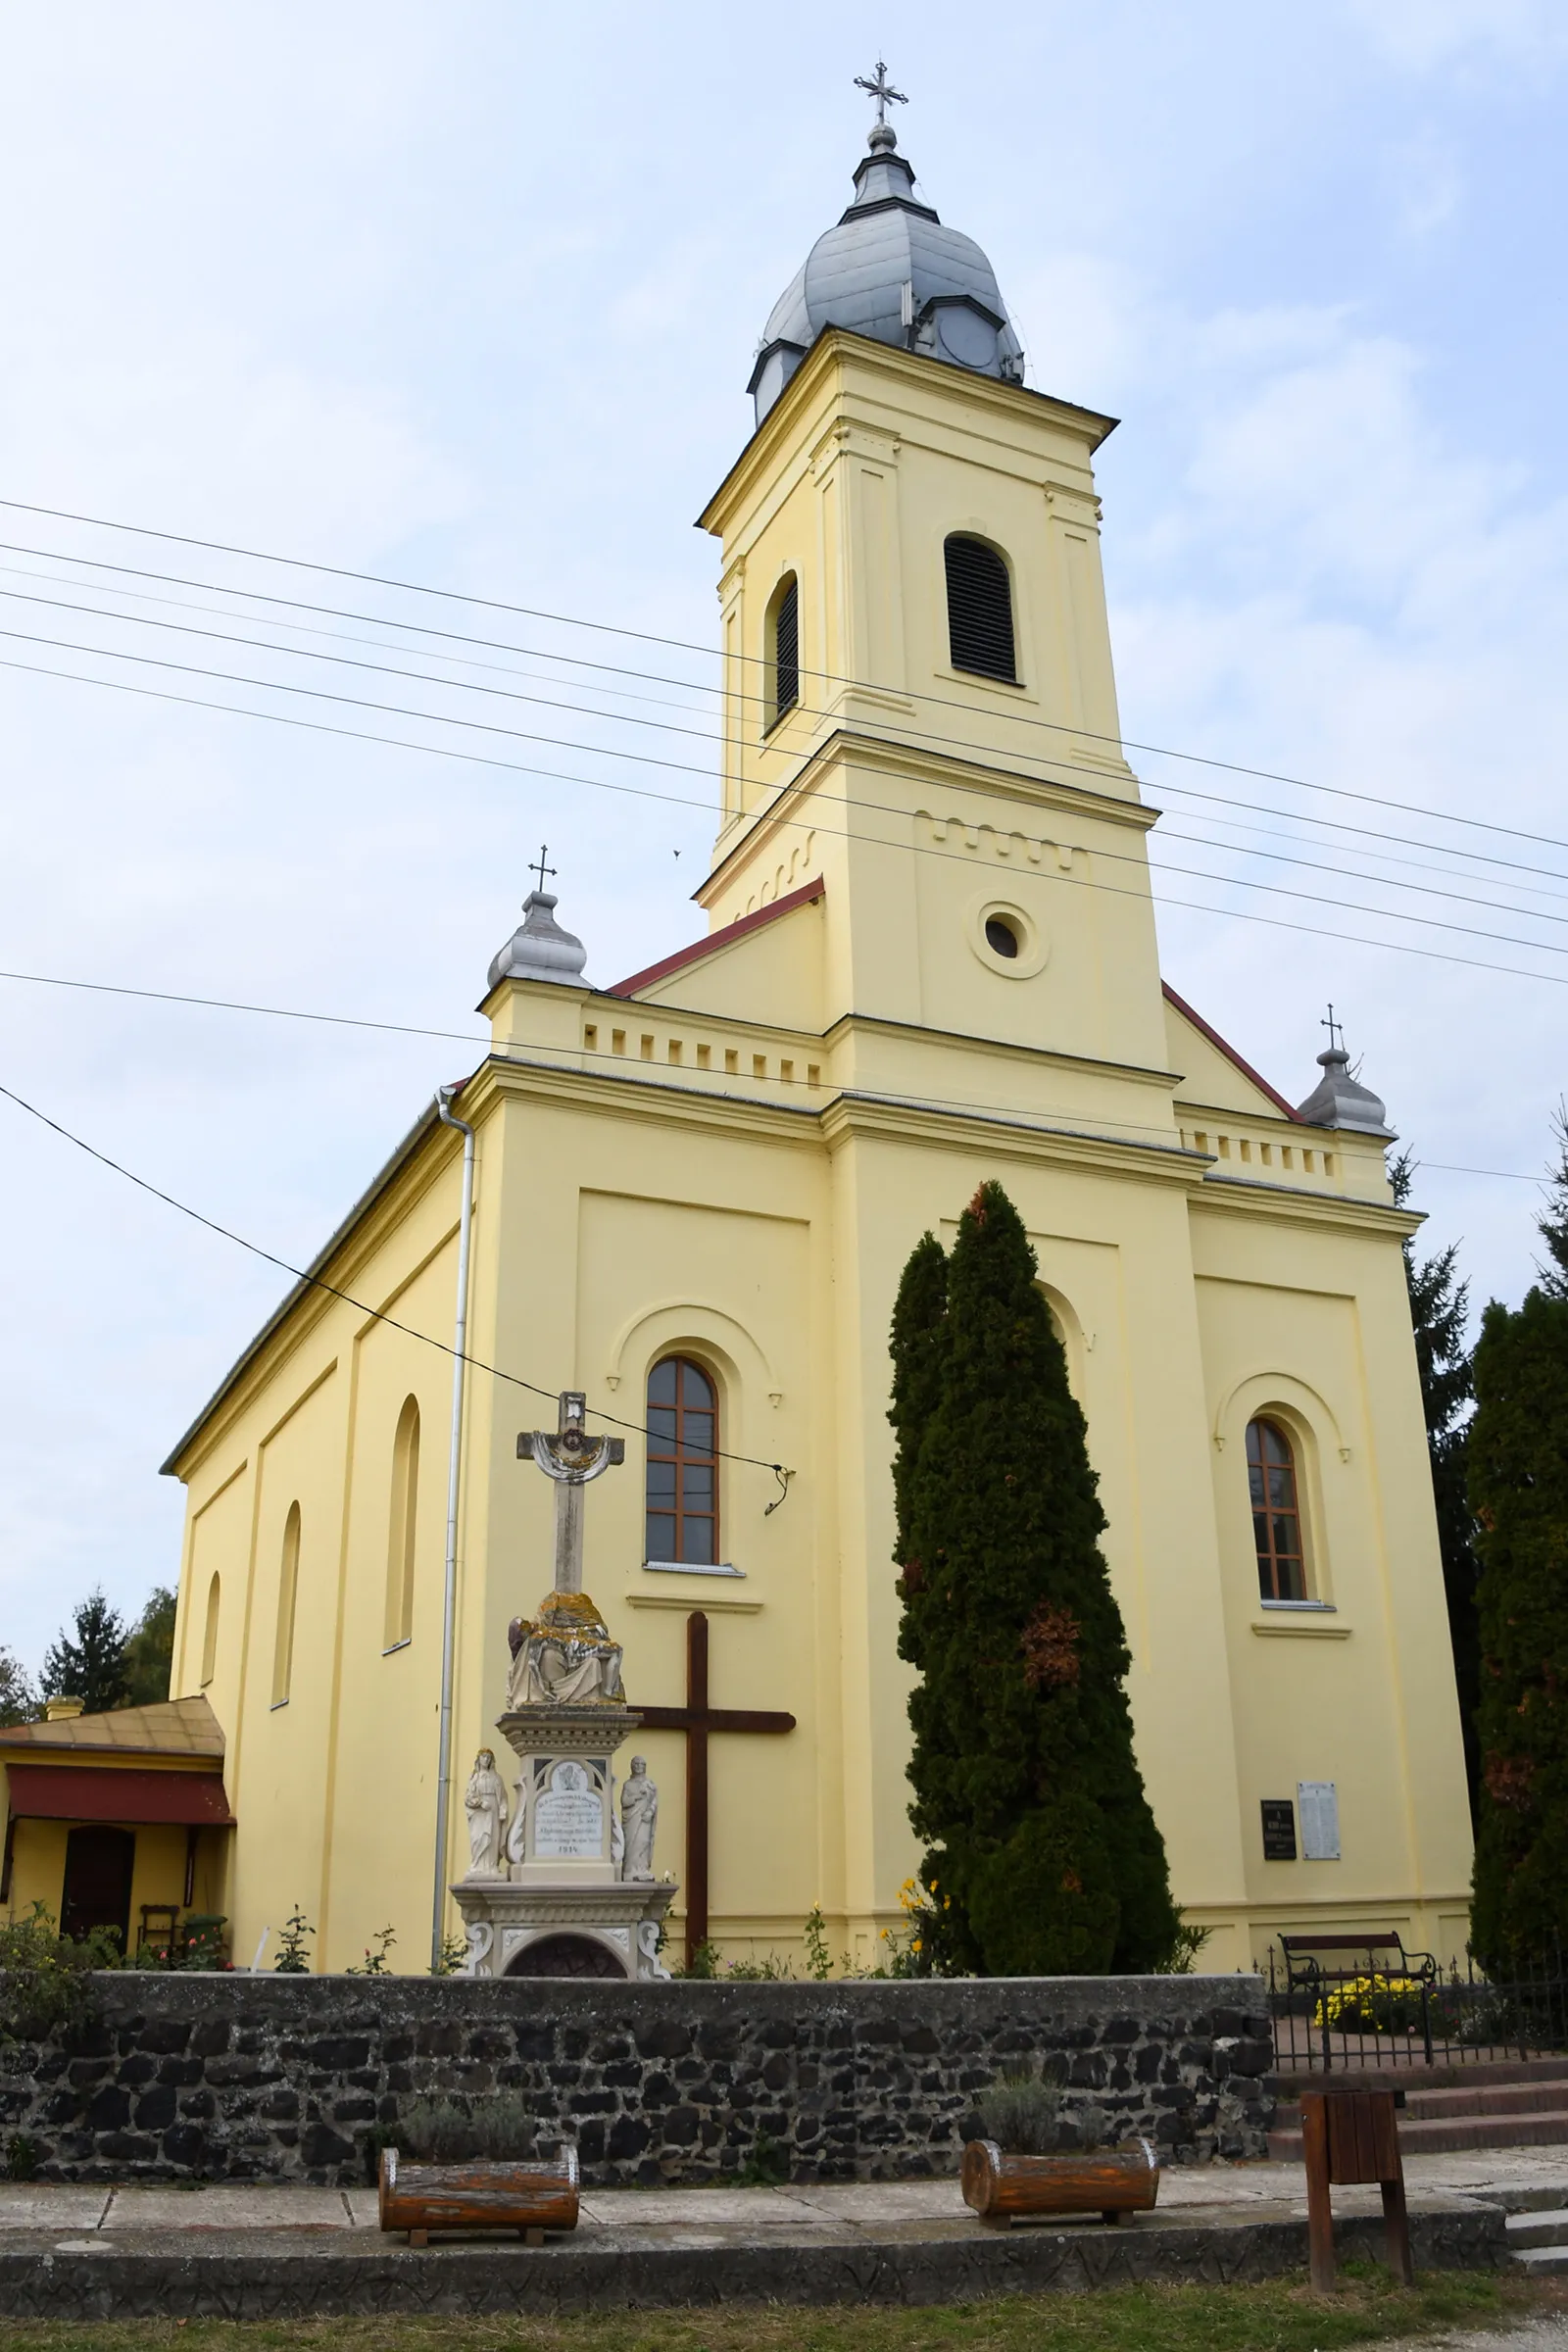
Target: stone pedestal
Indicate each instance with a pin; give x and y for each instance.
(560, 1907)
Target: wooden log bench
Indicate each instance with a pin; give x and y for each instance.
(1003, 2190)
(529, 2199)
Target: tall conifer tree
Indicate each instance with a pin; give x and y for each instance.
(1440, 1305)
(1025, 1783)
(89, 1661)
(1519, 1491)
(1552, 1223)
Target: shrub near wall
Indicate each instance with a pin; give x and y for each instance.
(301, 2078)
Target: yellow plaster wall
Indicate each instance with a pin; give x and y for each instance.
(743, 1176)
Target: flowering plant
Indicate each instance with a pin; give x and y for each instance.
(1371, 2004)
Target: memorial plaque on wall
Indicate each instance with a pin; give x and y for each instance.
(1319, 1804)
(1279, 1829)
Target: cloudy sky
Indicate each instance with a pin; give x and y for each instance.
(466, 295)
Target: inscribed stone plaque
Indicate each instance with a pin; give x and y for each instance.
(1279, 1829)
(568, 1817)
(1319, 1805)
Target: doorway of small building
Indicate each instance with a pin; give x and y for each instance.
(99, 1862)
(565, 1956)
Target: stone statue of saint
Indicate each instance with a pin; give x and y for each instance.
(639, 1813)
(565, 1658)
(484, 1801)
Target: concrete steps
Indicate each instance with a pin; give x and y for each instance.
(1540, 2241)
(1519, 2105)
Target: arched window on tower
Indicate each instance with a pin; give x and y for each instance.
(400, 1531)
(783, 670)
(288, 1580)
(682, 1525)
(1276, 1513)
(980, 636)
(215, 1594)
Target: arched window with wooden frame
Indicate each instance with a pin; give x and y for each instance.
(980, 631)
(783, 654)
(1276, 1511)
(402, 1528)
(288, 1583)
(215, 1594)
(682, 1494)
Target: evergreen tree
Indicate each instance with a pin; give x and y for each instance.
(1519, 1491)
(150, 1651)
(18, 1703)
(1552, 1223)
(1041, 1838)
(1440, 1306)
(918, 1343)
(89, 1661)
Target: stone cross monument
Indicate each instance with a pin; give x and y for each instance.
(562, 1884)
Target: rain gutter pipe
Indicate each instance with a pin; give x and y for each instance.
(449, 1601)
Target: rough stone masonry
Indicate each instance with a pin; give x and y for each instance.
(268, 2078)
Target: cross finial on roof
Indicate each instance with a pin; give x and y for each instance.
(1336, 1030)
(540, 868)
(881, 89)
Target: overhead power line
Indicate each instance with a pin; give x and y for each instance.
(708, 652)
(702, 734)
(318, 1283)
(435, 751)
(652, 760)
(696, 686)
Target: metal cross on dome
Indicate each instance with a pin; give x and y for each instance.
(539, 867)
(881, 89)
(1336, 1030)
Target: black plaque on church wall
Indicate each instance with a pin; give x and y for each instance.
(1279, 1829)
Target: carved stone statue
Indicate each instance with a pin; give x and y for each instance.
(484, 1801)
(563, 1658)
(639, 1814)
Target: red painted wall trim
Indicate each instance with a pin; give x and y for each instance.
(1214, 1038)
(78, 1793)
(716, 939)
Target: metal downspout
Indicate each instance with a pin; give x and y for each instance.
(448, 1604)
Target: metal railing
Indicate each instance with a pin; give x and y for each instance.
(1367, 2013)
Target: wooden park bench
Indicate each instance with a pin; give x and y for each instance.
(1315, 1963)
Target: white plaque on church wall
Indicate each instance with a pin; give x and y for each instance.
(568, 1817)
(1317, 1804)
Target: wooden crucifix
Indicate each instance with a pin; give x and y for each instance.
(697, 1719)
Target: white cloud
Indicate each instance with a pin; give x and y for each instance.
(1426, 34)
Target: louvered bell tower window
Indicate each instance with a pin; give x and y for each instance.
(980, 610)
(786, 652)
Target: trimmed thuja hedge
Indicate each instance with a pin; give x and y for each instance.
(1518, 1453)
(1042, 1855)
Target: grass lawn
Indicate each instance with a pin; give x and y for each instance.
(1282, 2316)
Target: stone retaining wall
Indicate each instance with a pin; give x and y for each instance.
(301, 2078)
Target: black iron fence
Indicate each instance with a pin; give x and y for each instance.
(1376, 2007)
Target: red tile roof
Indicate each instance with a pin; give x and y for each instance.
(1214, 1038)
(716, 939)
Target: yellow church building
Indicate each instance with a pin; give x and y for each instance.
(930, 960)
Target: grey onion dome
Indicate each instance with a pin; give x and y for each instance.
(890, 271)
(1337, 1100)
(539, 948)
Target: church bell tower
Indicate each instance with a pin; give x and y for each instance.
(916, 653)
